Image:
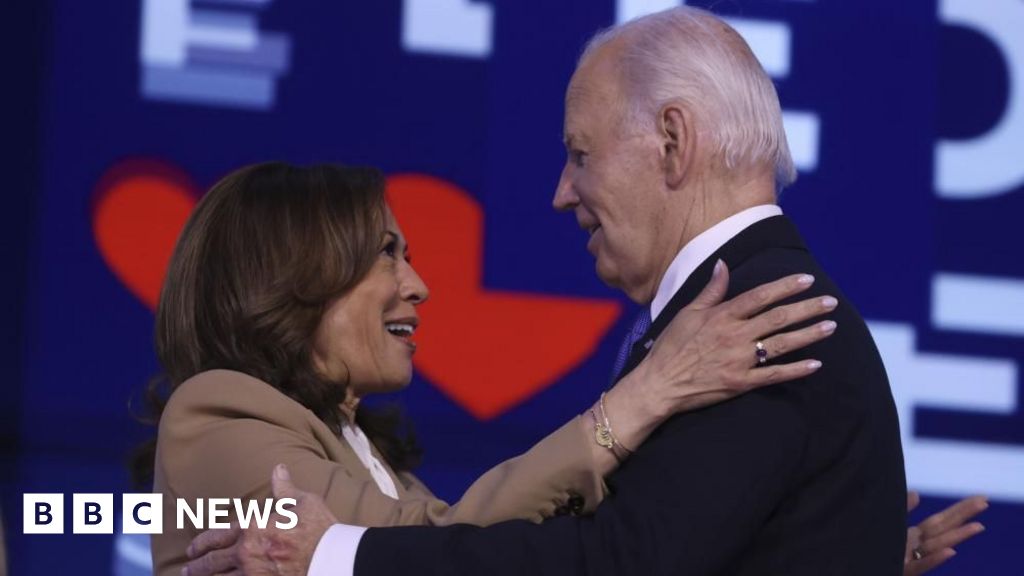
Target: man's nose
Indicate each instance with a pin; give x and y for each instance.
(565, 196)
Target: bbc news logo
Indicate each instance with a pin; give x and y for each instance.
(143, 513)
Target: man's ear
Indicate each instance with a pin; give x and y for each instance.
(679, 142)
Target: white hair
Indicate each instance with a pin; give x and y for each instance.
(687, 54)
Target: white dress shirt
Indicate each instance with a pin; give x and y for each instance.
(335, 554)
(701, 247)
(361, 445)
(337, 547)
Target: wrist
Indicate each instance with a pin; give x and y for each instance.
(650, 393)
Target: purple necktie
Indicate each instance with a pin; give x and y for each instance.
(640, 326)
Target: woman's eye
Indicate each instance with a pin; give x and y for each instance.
(390, 249)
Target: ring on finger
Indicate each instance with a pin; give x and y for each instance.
(761, 352)
(918, 554)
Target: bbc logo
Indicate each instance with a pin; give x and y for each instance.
(93, 513)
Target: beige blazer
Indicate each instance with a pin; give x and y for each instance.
(222, 433)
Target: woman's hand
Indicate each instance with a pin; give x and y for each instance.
(931, 542)
(708, 354)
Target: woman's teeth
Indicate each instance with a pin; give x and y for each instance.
(400, 330)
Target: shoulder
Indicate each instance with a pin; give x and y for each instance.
(227, 394)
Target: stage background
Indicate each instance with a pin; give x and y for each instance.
(906, 119)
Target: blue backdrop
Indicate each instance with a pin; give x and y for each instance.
(906, 121)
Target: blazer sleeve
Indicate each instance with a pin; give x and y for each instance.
(222, 433)
(694, 497)
(687, 502)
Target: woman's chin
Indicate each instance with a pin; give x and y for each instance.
(394, 382)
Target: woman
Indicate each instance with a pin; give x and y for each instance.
(290, 297)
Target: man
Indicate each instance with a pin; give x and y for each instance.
(675, 154)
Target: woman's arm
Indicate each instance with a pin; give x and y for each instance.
(234, 429)
(223, 432)
(707, 355)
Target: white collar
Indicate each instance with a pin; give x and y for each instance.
(360, 444)
(703, 246)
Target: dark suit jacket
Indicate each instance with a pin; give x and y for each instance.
(801, 478)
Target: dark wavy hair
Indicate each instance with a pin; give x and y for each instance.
(259, 260)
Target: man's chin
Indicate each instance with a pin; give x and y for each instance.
(607, 273)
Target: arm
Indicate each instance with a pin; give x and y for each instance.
(631, 533)
(241, 427)
(688, 502)
(223, 432)
(708, 348)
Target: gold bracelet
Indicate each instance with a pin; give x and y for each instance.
(604, 435)
(609, 426)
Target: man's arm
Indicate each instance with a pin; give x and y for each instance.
(687, 502)
(217, 551)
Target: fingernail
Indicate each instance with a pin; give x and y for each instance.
(718, 268)
(190, 552)
(829, 302)
(184, 571)
(805, 280)
(280, 472)
(813, 365)
(828, 326)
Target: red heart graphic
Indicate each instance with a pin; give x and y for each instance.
(140, 208)
(487, 350)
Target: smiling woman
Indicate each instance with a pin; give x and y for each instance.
(291, 296)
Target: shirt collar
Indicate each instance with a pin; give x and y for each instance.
(701, 247)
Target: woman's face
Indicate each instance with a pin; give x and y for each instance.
(365, 336)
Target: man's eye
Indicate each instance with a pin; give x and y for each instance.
(578, 158)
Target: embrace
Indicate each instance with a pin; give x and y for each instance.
(750, 428)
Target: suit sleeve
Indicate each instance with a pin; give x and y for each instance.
(687, 502)
(222, 436)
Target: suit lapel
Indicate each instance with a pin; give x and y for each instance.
(774, 232)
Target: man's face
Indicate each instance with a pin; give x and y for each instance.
(612, 180)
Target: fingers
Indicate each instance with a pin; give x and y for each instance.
(953, 516)
(776, 373)
(213, 540)
(782, 344)
(940, 532)
(951, 538)
(928, 562)
(753, 301)
(281, 482)
(780, 317)
(715, 290)
(213, 562)
(913, 541)
(913, 499)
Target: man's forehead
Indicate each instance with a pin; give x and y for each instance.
(595, 81)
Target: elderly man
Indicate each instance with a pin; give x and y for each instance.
(676, 152)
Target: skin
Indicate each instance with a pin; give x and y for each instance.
(642, 192)
(703, 357)
(642, 195)
(351, 343)
(936, 537)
